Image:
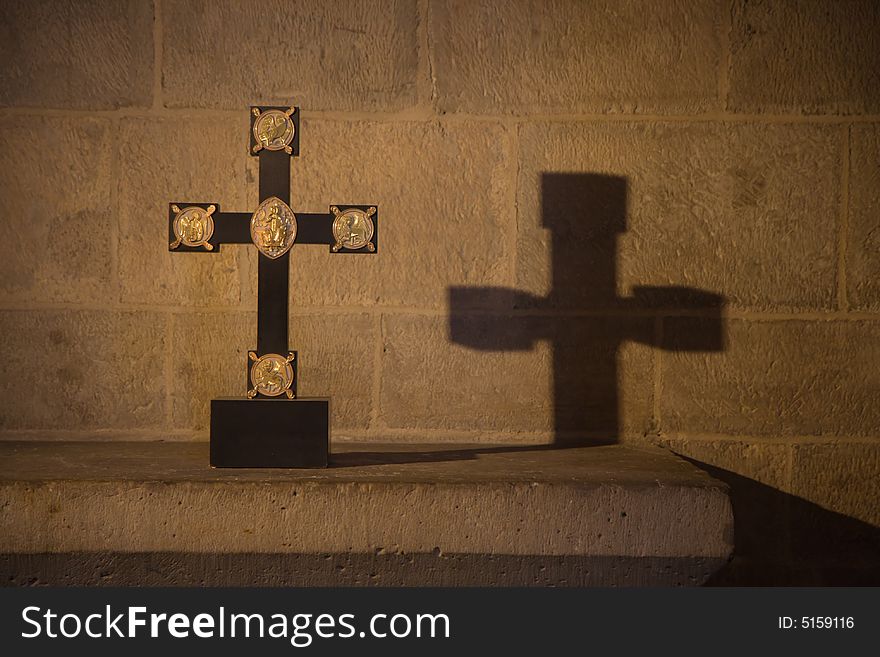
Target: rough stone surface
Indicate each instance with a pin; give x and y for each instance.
(428, 382)
(810, 57)
(745, 211)
(336, 359)
(778, 378)
(82, 55)
(444, 209)
(863, 239)
(59, 225)
(562, 56)
(209, 352)
(841, 477)
(82, 370)
(187, 160)
(349, 55)
(383, 569)
(146, 497)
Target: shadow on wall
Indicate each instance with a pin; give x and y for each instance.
(582, 317)
(784, 540)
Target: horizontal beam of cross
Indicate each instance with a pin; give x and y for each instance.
(311, 228)
(234, 228)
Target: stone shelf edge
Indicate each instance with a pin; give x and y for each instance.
(150, 498)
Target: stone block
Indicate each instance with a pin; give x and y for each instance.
(79, 55)
(82, 370)
(580, 386)
(805, 57)
(445, 199)
(568, 57)
(778, 378)
(336, 360)
(609, 501)
(863, 238)
(56, 185)
(194, 160)
(350, 55)
(209, 352)
(745, 211)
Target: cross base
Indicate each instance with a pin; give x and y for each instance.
(270, 433)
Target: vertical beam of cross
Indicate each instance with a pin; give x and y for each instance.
(582, 316)
(273, 228)
(272, 275)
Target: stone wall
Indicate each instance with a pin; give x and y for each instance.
(707, 275)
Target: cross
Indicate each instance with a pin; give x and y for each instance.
(582, 315)
(273, 228)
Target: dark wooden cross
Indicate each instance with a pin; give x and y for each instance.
(246, 433)
(582, 316)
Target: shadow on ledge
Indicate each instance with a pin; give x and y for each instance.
(784, 540)
(402, 455)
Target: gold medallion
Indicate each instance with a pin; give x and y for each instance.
(273, 130)
(271, 375)
(193, 227)
(353, 229)
(273, 227)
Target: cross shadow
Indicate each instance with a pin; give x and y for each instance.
(584, 215)
(582, 317)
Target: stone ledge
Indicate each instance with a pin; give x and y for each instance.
(585, 504)
(245, 569)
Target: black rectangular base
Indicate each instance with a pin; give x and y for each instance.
(270, 433)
